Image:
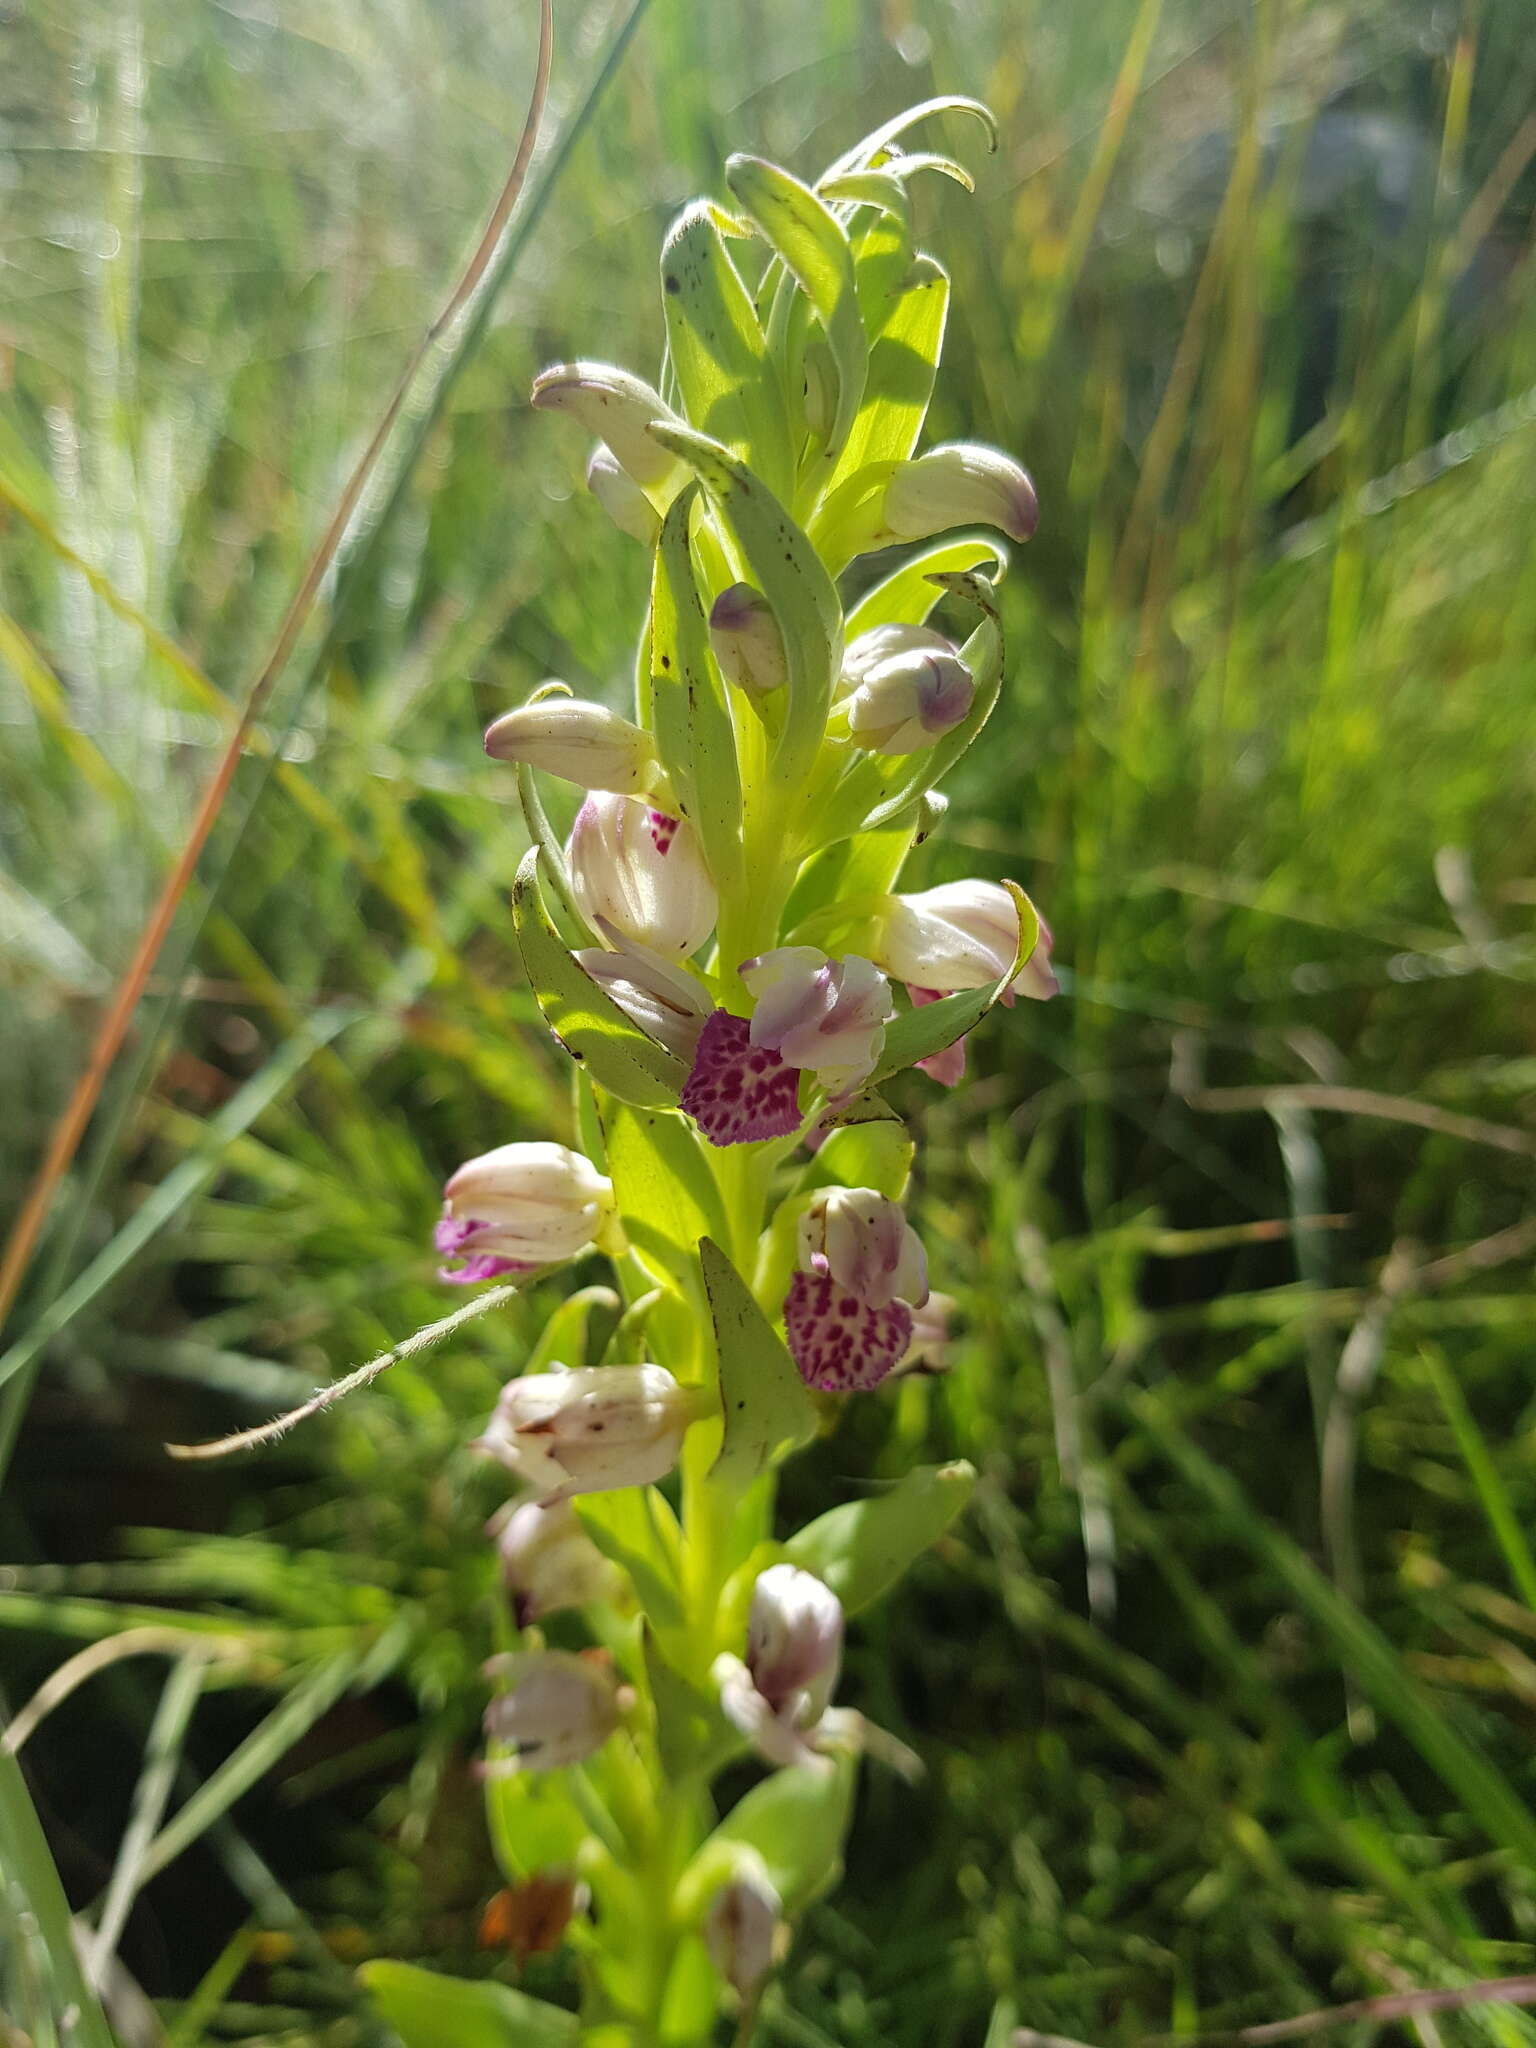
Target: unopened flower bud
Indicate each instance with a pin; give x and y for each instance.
(615, 406)
(960, 935)
(795, 1641)
(868, 651)
(621, 497)
(548, 1561)
(961, 483)
(521, 1207)
(560, 1709)
(907, 701)
(863, 1241)
(642, 871)
(591, 1430)
(585, 743)
(666, 1002)
(748, 644)
(823, 1014)
(744, 1929)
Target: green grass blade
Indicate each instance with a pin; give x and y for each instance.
(27, 1872)
(175, 1191)
(161, 1753)
(249, 1761)
(1363, 1651)
(1503, 1521)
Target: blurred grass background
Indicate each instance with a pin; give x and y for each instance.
(1227, 1686)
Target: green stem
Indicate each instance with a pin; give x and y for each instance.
(665, 1824)
(709, 1510)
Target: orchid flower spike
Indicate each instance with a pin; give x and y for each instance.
(748, 644)
(868, 651)
(521, 1207)
(744, 1928)
(863, 1241)
(642, 871)
(621, 497)
(617, 406)
(928, 1351)
(909, 696)
(828, 1016)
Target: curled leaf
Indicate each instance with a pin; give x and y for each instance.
(727, 379)
(870, 149)
(814, 248)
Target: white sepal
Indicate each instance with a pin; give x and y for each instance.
(582, 742)
(960, 483)
(591, 1430)
(641, 870)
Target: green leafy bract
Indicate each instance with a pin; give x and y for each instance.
(903, 362)
(694, 733)
(570, 1336)
(909, 594)
(534, 1825)
(871, 188)
(876, 1152)
(896, 168)
(666, 1193)
(692, 1735)
(427, 2010)
(726, 377)
(791, 576)
(815, 250)
(635, 1528)
(876, 143)
(591, 1027)
(863, 1547)
(765, 1407)
(796, 1821)
(568, 920)
(840, 886)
